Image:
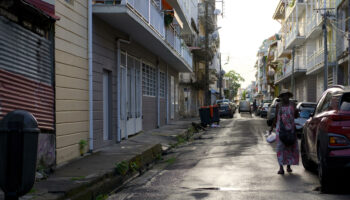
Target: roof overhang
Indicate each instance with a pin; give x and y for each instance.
(280, 11)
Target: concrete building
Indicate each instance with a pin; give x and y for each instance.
(138, 54)
(302, 42)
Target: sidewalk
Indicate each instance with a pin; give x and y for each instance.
(95, 174)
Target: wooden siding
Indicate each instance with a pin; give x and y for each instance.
(72, 94)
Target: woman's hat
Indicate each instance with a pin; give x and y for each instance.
(285, 91)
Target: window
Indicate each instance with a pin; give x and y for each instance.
(345, 102)
(162, 84)
(149, 81)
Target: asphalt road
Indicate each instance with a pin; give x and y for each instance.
(231, 162)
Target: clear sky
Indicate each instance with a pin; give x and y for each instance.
(246, 24)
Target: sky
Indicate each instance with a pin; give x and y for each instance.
(246, 24)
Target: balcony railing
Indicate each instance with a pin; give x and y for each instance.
(280, 48)
(297, 32)
(152, 15)
(314, 22)
(317, 58)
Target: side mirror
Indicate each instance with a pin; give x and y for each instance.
(312, 114)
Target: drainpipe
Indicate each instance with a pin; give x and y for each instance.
(91, 114)
(158, 97)
(167, 94)
(119, 137)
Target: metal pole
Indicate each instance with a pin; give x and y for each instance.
(292, 78)
(348, 45)
(206, 88)
(325, 75)
(220, 79)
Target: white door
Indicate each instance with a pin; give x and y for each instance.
(172, 97)
(106, 105)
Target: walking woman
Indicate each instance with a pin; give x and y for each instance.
(287, 153)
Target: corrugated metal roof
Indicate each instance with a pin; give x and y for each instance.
(19, 92)
(24, 52)
(46, 8)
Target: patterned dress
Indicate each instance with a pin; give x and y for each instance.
(286, 155)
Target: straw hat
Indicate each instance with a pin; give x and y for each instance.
(285, 91)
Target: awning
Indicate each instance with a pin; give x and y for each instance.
(44, 7)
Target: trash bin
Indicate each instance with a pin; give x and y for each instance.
(204, 113)
(214, 113)
(18, 153)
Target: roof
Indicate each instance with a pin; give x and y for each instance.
(44, 7)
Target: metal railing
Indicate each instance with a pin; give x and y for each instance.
(152, 15)
(298, 30)
(317, 58)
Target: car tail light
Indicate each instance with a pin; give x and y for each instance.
(338, 140)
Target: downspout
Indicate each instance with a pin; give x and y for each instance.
(167, 94)
(91, 114)
(119, 137)
(158, 95)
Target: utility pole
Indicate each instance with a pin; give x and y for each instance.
(220, 79)
(325, 70)
(348, 46)
(292, 79)
(206, 77)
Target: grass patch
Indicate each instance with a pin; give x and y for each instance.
(102, 197)
(171, 161)
(122, 168)
(32, 191)
(77, 178)
(134, 166)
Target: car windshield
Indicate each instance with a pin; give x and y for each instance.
(345, 102)
(305, 113)
(266, 105)
(222, 101)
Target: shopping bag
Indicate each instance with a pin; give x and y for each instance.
(271, 138)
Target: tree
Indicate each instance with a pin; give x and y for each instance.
(235, 82)
(244, 95)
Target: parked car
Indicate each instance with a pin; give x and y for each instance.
(226, 109)
(326, 136)
(272, 110)
(222, 100)
(264, 109)
(244, 106)
(305, 109)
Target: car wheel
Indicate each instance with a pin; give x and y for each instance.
(323, 173)
(307, 163)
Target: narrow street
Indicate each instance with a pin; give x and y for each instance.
(232, 162)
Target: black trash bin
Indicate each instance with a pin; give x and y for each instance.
(18, 153)
(215, 116)
(204, 113)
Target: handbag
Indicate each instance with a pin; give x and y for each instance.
(288, 137)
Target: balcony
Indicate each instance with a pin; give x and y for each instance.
(299, 69)
(342, 46)
(144, 22)
(296, 36)
(297, 9)
(187, 10)
(314, 26)
(315, 62)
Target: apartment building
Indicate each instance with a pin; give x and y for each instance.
(302, 45)
(138, 54)
(342, 44)
(192, 86)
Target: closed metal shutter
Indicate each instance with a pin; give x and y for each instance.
(26, 73)
(311, 88)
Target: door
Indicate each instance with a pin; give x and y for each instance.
(131, 121)
(172, 97)
(106, 105)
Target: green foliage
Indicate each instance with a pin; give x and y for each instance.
(235, 83)
(159, 157)
(171, 160)
(82, 144)
(32, 191)
(77, 178)
(292, 3)
(244, 95)
(134, 166)
(122, 168)
(102, 197)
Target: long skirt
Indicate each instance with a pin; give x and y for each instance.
(287, 155)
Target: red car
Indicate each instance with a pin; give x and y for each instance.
(326, 140)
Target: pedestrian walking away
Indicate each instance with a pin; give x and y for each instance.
(287, 151)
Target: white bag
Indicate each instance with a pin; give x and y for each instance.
(271, 138)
